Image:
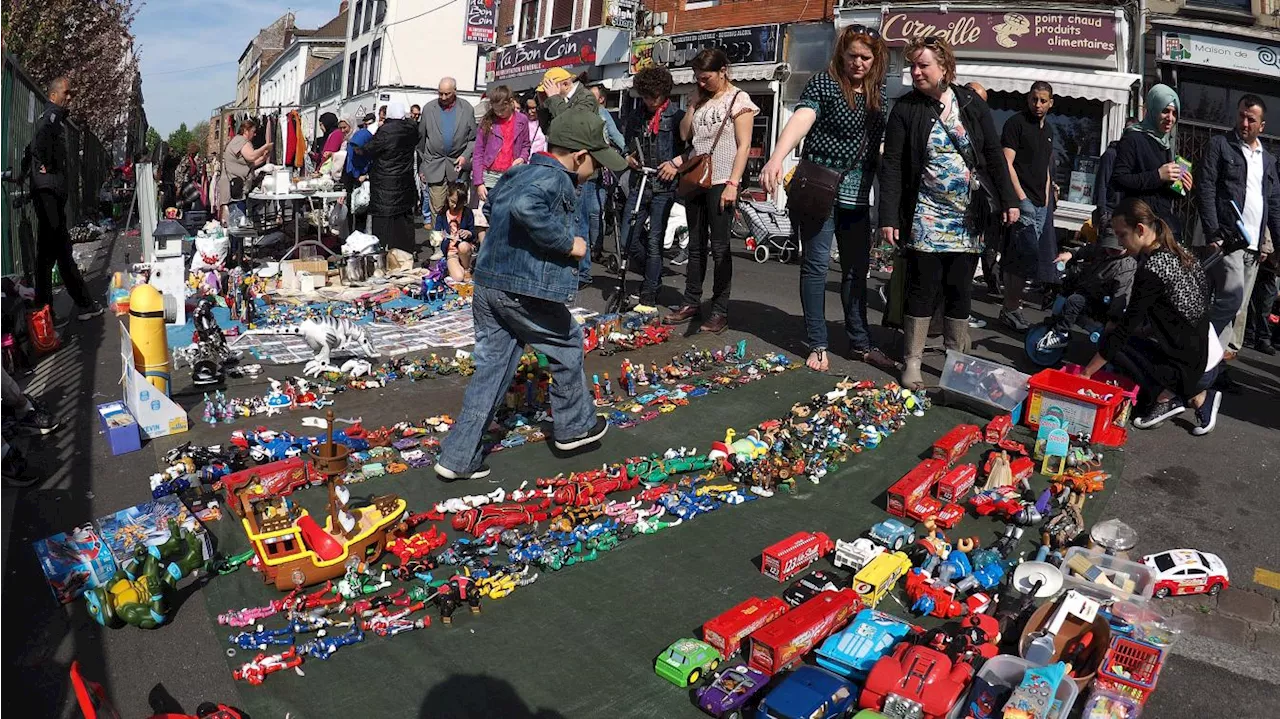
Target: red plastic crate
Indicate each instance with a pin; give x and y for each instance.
(1127, 386)
(1130, 667)
(1102, 418)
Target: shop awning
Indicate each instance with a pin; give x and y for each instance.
(1095, 85)
(738, 73)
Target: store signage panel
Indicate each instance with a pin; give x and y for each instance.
(743, 45)
(1082, 36)
(642, 53)
(621, 14)
(578, 48)
(1239, 54)
(481, 23)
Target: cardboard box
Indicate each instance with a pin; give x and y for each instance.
(120, 427)
(148, 523)
(290, 269)
(74, 561)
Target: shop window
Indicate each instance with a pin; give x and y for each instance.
(529, 12)
(700, 4)
(761, 139)
(596, 18)
(561, 16)
(1216, 105)
(1077, 135)
(1245, 6)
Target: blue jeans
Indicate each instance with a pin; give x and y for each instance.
(851, 230)
(646, 248)
(505, 323)
(588, 224)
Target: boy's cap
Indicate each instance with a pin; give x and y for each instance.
(370, 117)
(578, 129)
(552, 76)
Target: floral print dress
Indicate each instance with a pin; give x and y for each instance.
(940, 224)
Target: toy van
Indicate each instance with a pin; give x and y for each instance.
(875, 580)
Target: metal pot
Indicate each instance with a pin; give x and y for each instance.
(355, 268)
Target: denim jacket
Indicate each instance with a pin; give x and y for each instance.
(663, 146)
(531, 215)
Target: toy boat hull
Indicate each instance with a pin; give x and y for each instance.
(305, 567)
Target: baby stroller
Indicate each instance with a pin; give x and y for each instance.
(770, 230)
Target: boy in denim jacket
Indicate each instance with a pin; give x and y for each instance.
(526, 272)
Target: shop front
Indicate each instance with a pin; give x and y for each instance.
(601, 52)
(755, 68)
(1084, 54)
(1211, 70)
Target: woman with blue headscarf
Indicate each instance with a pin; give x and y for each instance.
(1145, 158)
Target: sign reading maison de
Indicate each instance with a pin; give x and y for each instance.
(1239, 54)
(1080, 36)
(578, 48)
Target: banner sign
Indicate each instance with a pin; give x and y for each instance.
(578, 48)
(743, 45)
(1239, 54)
(976, 33)
(621, 14)
(642, 53)
(480, 25)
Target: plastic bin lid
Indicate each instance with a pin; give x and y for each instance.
(984, 380)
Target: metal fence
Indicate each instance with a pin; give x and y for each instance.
(88, 165)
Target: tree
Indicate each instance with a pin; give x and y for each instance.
(90, 42)
(200, 134)
(179, 139)
(153, 140)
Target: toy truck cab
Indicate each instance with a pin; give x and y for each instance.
(875, 580)
(855, 555)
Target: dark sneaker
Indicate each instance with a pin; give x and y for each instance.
(683, 314)
(715, 325)
(1014, 320)
(1159, 413)
(39, 420)
(1265, 348)
(88, 313)
(445, 474)
(593, 435)
(1207, 415)
(1053, 339)
(15, 470)
(681, 259)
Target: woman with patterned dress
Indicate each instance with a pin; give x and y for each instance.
(840, 117)
(940, 139)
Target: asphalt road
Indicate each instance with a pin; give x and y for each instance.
(1215, 493)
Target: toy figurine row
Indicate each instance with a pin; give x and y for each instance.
(1099, 631)
(582, 523)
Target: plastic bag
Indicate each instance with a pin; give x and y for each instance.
(359, 243)
(337, 217)
(360, 199)
(210, 253)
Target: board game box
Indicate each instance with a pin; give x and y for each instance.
(75, 561)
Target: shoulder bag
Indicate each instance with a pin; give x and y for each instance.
(695, 173)
(984, 204)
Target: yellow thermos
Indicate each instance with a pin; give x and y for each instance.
(150, 343)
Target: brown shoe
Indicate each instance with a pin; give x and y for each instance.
(1229, 356)
(715, 325)
(684, 314)
(877, 359)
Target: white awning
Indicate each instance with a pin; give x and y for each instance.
(1091, 85)
(737, 73)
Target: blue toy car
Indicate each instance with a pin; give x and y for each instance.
(809, 693)
(893, 534)
(853, 652)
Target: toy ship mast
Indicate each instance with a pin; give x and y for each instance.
(330, 460)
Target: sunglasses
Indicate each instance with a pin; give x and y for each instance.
(933, 41)
(870, 32)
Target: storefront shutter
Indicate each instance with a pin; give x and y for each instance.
(562, 16)
(597, 13)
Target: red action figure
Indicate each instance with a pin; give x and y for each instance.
(460, 588)
(506, 516)
(415, 546)
(262, 665)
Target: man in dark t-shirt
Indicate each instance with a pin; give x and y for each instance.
(1028, 149)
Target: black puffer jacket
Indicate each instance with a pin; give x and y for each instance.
(392, 191)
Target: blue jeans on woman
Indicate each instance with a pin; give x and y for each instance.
(505, 322)
(851, 230)
(588, 224)
(646, 245)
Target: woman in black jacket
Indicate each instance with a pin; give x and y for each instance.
(1145, 168)
(1175, 365)
(940, 141)
(392, 192)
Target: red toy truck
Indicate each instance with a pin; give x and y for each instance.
(914, 484)
(918, 678)
(787, 558)
(727, 631)
(998, 429)
(954, 444)
(956, 484)
(277, 479)
(782, 642)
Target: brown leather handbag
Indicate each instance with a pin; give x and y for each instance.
(695, 173)
(812, 192)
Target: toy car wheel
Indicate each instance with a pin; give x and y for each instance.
(1215, 588)
(733, 715)
(762, 254)
(715, 663)
(898, 543)
(694, 676)
(1162, 592)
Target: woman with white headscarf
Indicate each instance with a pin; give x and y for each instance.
(392, 191)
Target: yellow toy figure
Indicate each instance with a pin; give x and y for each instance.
(146, 328)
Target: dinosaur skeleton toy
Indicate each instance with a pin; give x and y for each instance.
(325, 336)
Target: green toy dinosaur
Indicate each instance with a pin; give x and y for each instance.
(138, 593)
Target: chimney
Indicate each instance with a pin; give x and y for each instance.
(342, 6)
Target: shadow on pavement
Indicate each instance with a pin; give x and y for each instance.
(468, 696)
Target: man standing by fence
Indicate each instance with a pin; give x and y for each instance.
(49, 190)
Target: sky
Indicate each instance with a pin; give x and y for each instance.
(190, 48)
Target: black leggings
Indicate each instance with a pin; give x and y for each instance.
(709, 227)
(949, 274)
